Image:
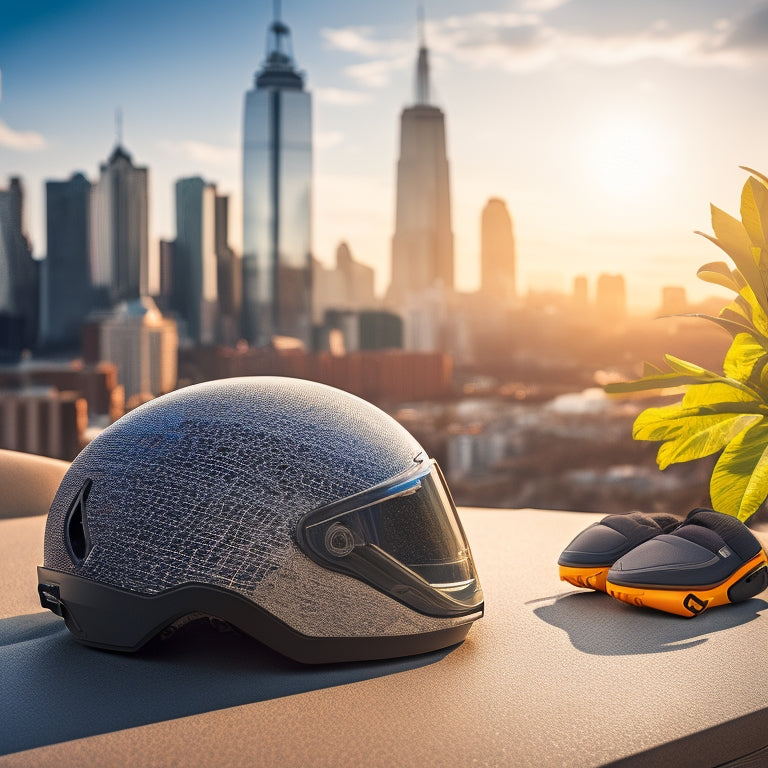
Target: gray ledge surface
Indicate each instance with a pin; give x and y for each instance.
(551, 676)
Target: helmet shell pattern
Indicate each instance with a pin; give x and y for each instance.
(205, 485)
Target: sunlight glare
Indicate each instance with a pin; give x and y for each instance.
(625, 157)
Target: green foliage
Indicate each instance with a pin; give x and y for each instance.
(726, 412)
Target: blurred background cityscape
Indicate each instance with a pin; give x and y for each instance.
(492, 348)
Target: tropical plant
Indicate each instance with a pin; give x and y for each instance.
(725, 412)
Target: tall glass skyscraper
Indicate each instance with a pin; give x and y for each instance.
(277, 198)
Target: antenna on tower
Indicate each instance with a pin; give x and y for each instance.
(118, 127)
(276, 10)
(422, 64)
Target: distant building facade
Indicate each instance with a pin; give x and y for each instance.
(347, 286)
(277, 198)
(66, 274)
(43, 421)
(143, 345)
(674, 300)
(422, 244)
(120, 229)
(611, 298)
(580, 294)
(195, 278)
(229, 275)
(19, 276)
(497, 254)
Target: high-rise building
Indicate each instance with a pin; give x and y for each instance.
(277, 198)
(422, 245)
(497, 254)
(195, 285)
(120, 228)
(611, 299)
(229, 273)
(19, 275)
(580, 295)
(66, 274)
(143, 345)
(674, 300)
(347, 286)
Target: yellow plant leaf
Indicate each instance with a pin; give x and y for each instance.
(742, 356)
(739, 482)
(705, 435)
(754, 212)
(718, 273)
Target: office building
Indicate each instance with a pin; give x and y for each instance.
(229, 274)
(611, 299)
(42, 420)
(277, 198)
(580, 295)
(674, 300)
(422, 245)
(347, 286)
(143, 345)
(120, 229)
(66, 274)
(195, 283)
(497, 254)
(19, 276)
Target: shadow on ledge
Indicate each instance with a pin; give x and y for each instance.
(599, 625)
(55, 689)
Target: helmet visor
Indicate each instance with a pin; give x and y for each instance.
(403, 537)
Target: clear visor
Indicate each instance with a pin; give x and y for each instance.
(403, 537)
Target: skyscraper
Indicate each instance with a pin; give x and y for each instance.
(195, 289)
(143, 345)
(66, 270)
(120, 228)
(277, 198)
(229, 272)
(422, 246)
(19, 274)
(497, 254)
(611, 299)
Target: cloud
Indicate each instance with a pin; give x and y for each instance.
(208, 154)
(24, 141)
(750, 32)
(338, 96)
(360, 40)
(528, 40)
(377, 73)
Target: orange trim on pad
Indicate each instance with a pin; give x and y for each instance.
(685, 601)
(587, 578)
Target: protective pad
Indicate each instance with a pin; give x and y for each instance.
(586, 560)
(711, 559)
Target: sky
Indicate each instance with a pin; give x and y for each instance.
(607, 126)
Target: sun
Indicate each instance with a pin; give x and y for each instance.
(625, 157)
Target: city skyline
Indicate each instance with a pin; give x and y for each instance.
(607, 131)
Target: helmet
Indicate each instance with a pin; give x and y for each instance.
(300, 514)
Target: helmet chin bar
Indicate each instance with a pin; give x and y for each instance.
(119, 620)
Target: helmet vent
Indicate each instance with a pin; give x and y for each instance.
(77, 536)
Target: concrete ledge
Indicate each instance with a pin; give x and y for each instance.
(551, 676)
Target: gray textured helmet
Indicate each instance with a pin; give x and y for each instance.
(301, 514)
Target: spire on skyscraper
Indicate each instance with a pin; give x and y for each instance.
(279, 68)
(422, 65)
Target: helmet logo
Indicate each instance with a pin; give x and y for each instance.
(78, 537)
